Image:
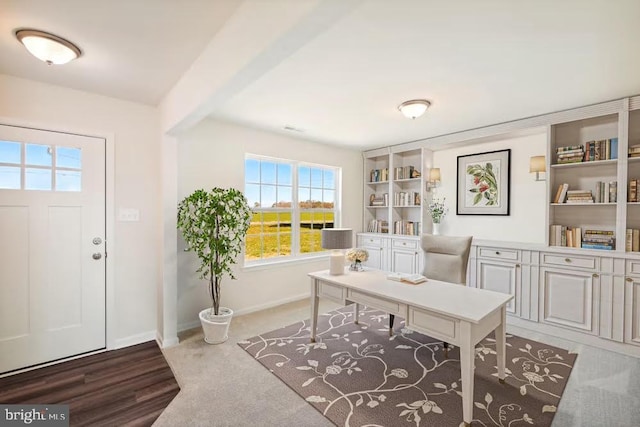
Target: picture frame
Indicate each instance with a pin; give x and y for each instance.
(483, 182)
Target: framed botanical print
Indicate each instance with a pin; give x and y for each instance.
(483, 183)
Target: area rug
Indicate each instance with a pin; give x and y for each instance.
(356, 375)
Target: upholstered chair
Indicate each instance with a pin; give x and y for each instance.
(445, 259)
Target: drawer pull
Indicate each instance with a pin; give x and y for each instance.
(629, 279)
(595, 275)
(567, 259)
(517, 265)
(404, 243)
(497, 253)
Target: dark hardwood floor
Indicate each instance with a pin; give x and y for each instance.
(129, 386)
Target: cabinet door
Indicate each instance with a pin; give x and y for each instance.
(500, 277)
(403, 261)
(375, 257)
(632, 310)
(569, 298)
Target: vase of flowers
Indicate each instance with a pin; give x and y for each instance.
(357, 256)
(437, 210)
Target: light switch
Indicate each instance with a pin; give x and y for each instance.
(128, 214)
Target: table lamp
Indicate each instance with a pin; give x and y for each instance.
(337, 239)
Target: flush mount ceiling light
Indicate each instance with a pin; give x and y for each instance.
(414, 108)
(48, 47)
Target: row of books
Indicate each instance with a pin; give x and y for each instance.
(406, 198)
(405, 172)
(379, 175)
(632, 240)
(605, 192)
(632, 195)
(378, 226)
(379, 200)
(569, 154)
(634, 150)
(604, 149)
(407, 228)
(572, 237)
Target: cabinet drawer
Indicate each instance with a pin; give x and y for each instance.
(371, 241)
(633, 267)
(499, 253)
(405, 244)
(435, 325)
(331, 292)
(373, 301)
(585, 262)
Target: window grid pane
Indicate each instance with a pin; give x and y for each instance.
(269, 187)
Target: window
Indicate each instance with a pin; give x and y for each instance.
(39, 167)
(292, 201)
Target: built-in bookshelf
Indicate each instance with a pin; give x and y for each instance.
(583, 189)
(633, 175)
(394, 192)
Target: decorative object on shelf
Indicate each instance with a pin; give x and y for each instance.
(414, 108)
(213, 224)
(437, 210)
(483, 183)
(538, 164)
(48, 47)
(336, 239)
(357, 256)
(434, 179)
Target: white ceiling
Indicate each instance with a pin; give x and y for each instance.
(478, 62)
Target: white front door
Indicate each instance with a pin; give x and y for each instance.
(52, 248)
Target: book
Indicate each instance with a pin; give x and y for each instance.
(412, 279)
(596, 246)
(614, 148)
(635, 244)
(563, 193)
(628, 240)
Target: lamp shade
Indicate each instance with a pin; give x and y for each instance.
(337, 238)
(537, 164)
(434, 175)
(48, 47)
(414, 108)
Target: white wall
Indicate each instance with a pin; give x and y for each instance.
(135, 130)
(526, 221)
(212, 154)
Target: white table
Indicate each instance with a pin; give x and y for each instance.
(453, 313)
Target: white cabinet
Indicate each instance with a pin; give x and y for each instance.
(502, 277)
(404, 261)
(632, 302)
(569, 298)
(375, 246)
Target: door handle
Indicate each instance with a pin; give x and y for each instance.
(96, 255)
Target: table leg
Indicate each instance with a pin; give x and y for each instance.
(314, 308)
(467, 354)
(356, 313)
(501, 345)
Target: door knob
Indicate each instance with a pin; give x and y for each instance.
(96, 255)
(96, 240)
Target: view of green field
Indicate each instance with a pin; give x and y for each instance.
(269, 234)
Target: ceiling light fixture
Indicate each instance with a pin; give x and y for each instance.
(48, 47)
(414, 108)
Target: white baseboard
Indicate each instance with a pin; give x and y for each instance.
(164, 343)
(248, 310)
(134, 339)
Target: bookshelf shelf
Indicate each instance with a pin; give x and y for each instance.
(377, 207)
(633, 159)
(378, 182)
(584, 204)
(409, 179)
(585, 164)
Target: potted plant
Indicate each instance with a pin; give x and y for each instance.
(437, 210)
(213, 224)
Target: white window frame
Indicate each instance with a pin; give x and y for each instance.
(296, 254)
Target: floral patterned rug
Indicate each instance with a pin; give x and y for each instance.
(356, 375)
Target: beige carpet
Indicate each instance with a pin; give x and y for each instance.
(357, 375)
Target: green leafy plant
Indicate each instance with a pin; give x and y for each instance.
(214, 224)
(485, 184)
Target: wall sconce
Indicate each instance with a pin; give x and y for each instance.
(538, 164)
(434, 179)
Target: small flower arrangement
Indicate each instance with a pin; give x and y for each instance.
(437, 209)
(357, 255)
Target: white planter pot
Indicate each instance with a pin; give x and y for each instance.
(436, 228)
(216, 328)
